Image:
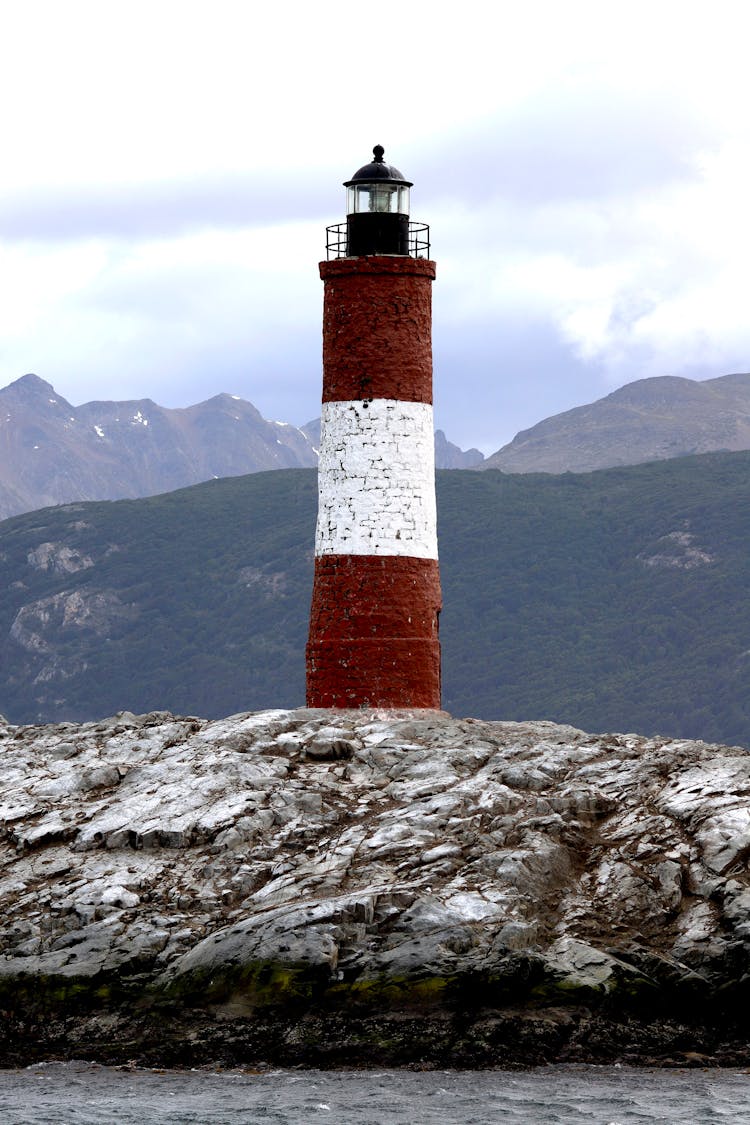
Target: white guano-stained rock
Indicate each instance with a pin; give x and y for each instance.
(370, 844)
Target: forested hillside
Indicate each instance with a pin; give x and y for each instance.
(611, 600)
(615, 600)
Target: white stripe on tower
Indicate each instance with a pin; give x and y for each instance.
(377, 479)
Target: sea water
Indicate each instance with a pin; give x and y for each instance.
(77, 1093)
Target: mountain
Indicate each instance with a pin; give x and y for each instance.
(649, 420)
(450, 456)
(613, 600)
(55, 453)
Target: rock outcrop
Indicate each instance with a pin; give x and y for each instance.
(370, 887)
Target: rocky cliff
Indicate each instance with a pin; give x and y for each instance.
(361, 887)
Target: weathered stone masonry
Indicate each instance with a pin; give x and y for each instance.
(377, 479)
(377, 328)
(376, 596)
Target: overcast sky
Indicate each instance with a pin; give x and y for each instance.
(169, 168)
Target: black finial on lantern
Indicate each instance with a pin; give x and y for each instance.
(377, 211)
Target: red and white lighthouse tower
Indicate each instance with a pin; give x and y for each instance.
(376, 596)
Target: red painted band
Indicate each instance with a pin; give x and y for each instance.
(366, 596)
(374, 632)
(377, 329)
(373, 673)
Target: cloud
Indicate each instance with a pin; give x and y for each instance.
(632, 258)
(672, 299)
(179, 320)
(162, 209)
(587, 143)
(169, 171)
(584, 142)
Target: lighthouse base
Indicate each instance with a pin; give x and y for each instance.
(374, 633)
(397, 673)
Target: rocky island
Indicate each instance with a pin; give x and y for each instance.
(371, 887)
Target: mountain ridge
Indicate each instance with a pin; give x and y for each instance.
(52, 452)
(647, 420)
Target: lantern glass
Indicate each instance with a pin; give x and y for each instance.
(380, 197)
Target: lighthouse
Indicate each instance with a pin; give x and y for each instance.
(373, 638)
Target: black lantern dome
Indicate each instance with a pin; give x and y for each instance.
(377, 209)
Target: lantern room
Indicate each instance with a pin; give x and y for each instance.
(377, 209)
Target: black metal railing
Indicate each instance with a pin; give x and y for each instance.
(419, 240)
